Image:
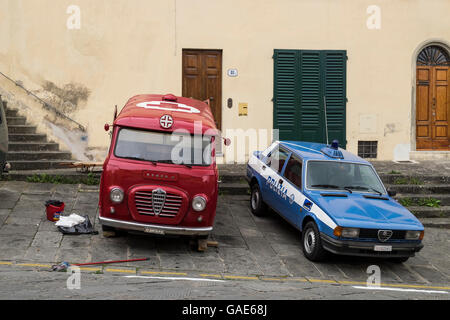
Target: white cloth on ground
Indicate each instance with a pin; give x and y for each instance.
(69, 221)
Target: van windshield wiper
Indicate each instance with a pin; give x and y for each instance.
(170, 161)
(141, 159)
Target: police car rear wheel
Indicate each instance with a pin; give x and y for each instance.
(312, 246)
(257, 204)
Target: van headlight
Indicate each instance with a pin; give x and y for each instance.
(414, 235)
(199, 203)
(116, 195)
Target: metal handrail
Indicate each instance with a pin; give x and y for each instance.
(45, 104)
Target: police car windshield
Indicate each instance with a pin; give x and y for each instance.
(159, 147)
(352, 177)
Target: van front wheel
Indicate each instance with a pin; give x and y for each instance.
(110, 232)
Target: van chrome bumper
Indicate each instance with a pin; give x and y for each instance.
(155, 228)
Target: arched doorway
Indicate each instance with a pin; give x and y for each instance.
(433, 99)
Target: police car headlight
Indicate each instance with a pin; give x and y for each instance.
(414, 235)
(350, 232)
(116, 195)
(199, 203)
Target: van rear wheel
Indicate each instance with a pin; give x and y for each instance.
(257, 205)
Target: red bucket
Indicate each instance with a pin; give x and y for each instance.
(54, 210)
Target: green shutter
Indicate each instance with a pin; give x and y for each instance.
(302, 79)
(310, 95)
(334, 78)
(285, 93)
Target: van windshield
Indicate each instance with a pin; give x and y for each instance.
(343, 176)
(176, 148)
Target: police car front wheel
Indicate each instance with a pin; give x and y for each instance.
(311, 243)
(257, 205)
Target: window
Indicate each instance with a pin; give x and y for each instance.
(163, 147)
(276, 159)
(367, 149)
(343, 176)
(293, 172)
(433, 56)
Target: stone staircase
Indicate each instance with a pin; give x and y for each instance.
(28, 149)
(428, 196)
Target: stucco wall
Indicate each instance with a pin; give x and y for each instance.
(129, 47)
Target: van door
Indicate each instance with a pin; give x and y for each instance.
(3, 136)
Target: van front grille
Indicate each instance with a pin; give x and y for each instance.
(161, 205)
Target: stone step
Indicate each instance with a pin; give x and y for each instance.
(24, 137)
(233, 184)
(435, 223)
(20, 129)
(16, 120)
(65, 175)
(37, 164)
(32, 146)
(427, 212)
(420, 189)
(11, 112)
(416, 199)
(38, 155)
(231, 177)
(400, 179)
(227, 188)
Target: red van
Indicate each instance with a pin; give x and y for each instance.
(160, 176)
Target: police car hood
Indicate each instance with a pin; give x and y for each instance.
(358, 211)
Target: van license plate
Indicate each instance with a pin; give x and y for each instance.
(153, 230)
(382, 248)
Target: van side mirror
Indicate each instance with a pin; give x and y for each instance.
(392, 193)
(226, 141)
(106, 127)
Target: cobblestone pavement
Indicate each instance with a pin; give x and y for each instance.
(249, 248)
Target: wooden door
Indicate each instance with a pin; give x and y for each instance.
(202, 78)
(433, 99)
(432, 108)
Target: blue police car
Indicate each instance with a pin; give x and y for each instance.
(335, 199)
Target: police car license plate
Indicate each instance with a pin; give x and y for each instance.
(382, 248)
(153, 230)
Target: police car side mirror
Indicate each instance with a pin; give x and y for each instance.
(392, 193)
